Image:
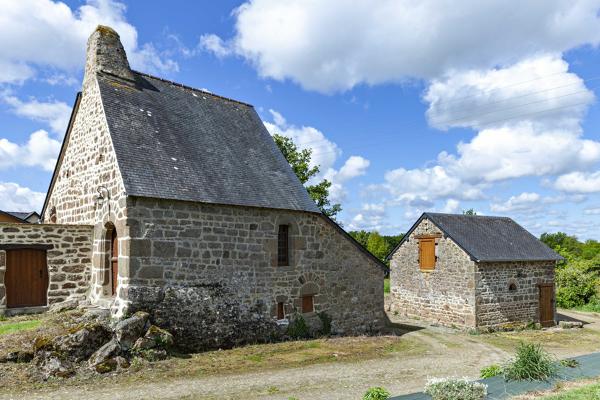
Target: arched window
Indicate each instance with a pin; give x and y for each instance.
(512, 287)
(112, 254)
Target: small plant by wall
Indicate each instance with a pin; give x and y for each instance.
(491, 371)
(455, 389)
(298, 329)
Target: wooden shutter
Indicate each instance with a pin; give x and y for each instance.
(283, 257)
(307, 304)
(427, 254)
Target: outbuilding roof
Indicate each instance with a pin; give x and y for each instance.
(488, 238)
(176, 142)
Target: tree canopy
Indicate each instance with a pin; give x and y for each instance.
(378, 245)
(299, 160)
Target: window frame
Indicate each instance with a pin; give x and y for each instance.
(283, 245)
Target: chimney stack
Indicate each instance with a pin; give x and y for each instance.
(106, 53)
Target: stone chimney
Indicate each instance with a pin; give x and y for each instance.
(106, 53)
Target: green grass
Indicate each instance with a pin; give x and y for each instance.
(590, 392)
(590, 307)
(18, 326)
(386, 285)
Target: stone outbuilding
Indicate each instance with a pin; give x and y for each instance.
(185, 204)
(472, 271)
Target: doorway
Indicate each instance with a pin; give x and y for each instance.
(26, 278)
(546, 304)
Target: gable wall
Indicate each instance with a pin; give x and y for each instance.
(89, 163)
(496, 305)
(187, 244)
(445, 295)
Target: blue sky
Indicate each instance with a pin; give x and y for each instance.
(408, 106)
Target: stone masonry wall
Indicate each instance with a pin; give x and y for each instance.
(88, 169)
(496, 304)
(445, 295)
(69, 250)
(185, 244)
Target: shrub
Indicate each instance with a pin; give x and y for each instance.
(569, 363)
(532, 363)
(575, 285)
(491, 371)
(326, 321)
(376, 393)
(297, 329)
(455, 389)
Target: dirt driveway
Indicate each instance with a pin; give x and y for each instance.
(444, 352)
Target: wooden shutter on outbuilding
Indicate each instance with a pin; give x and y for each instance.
(427, 253)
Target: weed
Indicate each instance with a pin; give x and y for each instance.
(532, 363)
(376, 393)
(491, 371)
(569, 363)
(272, 390)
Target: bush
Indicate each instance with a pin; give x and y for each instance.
(376, 393)
(575, 285)
(297, 329)
(326, 321)
(491, 371)
(455, 389)
(532, 363)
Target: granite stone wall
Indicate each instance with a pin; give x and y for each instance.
(68, 249)
(445, 295)
(177, 244)
(508, 292)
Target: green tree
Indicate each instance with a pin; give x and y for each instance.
(361, 237)
(377, 245)
(470, 211)
(299, 160)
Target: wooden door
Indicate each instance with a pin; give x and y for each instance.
(547, 304)
(26, 278)
(114, 260)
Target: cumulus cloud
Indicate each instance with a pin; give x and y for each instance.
(214, 44)
(44, 33)
(325, 154)
(451, 206)
(54, 113)
(14, 197)
(39, 151)
(294, 40)
(370, 217)
(579, 182)
(522, 202)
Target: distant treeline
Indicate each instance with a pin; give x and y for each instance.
(379, 245)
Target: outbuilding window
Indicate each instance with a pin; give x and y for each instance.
(512, 287)
(280, 310)
(283, 248)
(427, 257)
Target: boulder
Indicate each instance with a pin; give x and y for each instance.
(64, 306)
(155, 337)
(153, 354)
(103, 354)
(50, 365)
(314, 324)
(17, 357)
(129, 330)
(106, 366)
(122, 362)
(570, 324)
(82, 343)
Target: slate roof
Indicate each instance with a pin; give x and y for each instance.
(180, 143)
(23, 216)
(488, 239)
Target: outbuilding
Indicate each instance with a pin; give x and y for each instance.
(473, 271)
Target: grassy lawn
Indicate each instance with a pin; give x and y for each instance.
(11, 327)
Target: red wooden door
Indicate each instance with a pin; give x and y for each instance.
(26, 278)
(114, 261)
(547, 304)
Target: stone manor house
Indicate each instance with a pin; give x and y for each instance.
(473, 271)
(159, 185)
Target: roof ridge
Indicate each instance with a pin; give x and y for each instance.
(464, 215)
(191, 88)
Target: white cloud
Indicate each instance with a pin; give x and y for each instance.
(579, 182)
(451, 206)
(592, 211)
(55, 113)
(44, 33)
(538, 88)
(39, 151)
(294, 40)
(215, 45)
(371, 217)
(522, 202)
(14, 197)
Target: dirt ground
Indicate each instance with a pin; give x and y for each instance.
(327, 369)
